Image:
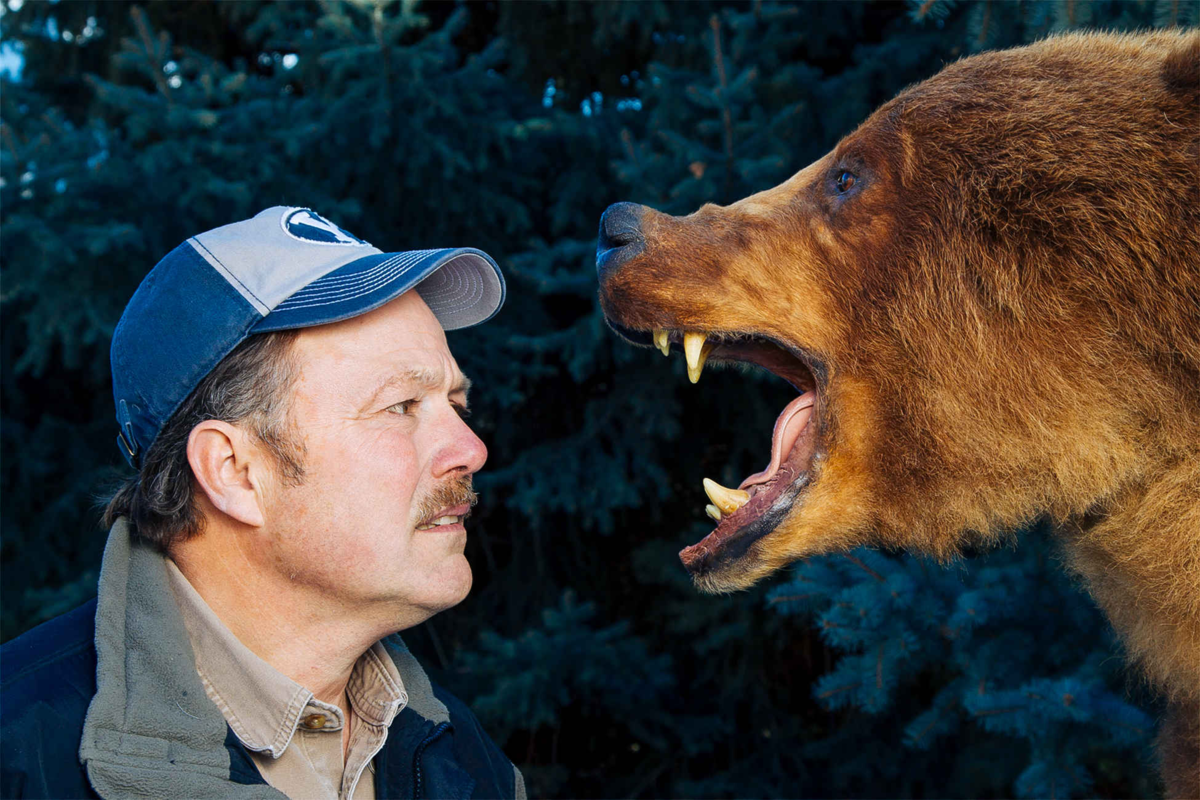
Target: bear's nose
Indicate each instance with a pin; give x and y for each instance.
(620, 236)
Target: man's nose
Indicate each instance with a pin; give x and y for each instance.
(461, 451)
(620, 237)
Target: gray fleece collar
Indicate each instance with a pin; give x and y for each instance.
(151, 731)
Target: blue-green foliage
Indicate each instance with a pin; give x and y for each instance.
(565, 661)
(511, 127)
(1018, 650)
(997, 23)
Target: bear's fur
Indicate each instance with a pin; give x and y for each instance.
(1000, 319)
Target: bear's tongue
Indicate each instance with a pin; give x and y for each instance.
(788, 427)
(791, 456)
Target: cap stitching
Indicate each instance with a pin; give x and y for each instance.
(228, 272)
(467, 288)
(366, 288)
(374, 281)
(326, 284)
(395, 258)
(465, 284)
(458, 300)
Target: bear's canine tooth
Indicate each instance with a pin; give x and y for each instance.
(662, 341)
(695, 349)
(713, 512)
(726, 500)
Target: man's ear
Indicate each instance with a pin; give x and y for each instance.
(230, 468)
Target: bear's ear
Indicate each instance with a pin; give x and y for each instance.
(1181, 69)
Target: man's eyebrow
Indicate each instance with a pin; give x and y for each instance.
(463, 385)
(420, 377)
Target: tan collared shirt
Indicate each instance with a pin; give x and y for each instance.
(294, 739)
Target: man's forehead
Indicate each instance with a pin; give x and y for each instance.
(358, 360)
(402, 332)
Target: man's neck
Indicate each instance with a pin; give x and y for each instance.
(302, 636)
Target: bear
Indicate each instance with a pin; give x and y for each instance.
(987, 298)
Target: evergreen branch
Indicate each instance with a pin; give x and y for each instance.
(1138, 729)
(788, 598)
(631, 152)
(49, 121)
(924, 10)
(991, 712)
(860, 564)
(389, 80)
(983, 26)
(653, 776)
(935, 719)
(143, 30)
(726, 114)
(7, 134)
(838, 690)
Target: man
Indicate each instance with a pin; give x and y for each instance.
(304, 471)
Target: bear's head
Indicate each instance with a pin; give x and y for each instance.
(987, 298)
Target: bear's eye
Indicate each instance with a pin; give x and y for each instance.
(845, 181)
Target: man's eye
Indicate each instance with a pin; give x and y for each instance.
(462, 411)
(403, 407)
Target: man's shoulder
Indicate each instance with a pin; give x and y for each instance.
(477, 752)
(54, 664)
(47, 680)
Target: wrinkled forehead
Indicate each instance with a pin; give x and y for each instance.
(400, 341)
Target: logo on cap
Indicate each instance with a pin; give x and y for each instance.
(309, 226)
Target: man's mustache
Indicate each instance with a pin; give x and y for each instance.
(454, 492)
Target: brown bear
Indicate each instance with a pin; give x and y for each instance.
(987, 298)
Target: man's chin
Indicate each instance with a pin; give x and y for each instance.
(465, 582)
(451, 586)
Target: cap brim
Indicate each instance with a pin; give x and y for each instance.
(462, 286)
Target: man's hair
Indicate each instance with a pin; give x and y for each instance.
(251, 386)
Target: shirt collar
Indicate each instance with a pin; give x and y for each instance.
(262, 705)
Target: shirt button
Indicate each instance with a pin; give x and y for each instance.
(313, 721)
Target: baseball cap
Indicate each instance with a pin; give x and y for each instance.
(283, 268)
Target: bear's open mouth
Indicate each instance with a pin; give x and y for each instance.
(746, 514)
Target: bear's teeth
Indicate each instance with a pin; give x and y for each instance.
(662, 341)
(713, 512)
(726, 500)
(695, 350)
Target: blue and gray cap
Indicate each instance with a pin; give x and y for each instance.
(283, 268)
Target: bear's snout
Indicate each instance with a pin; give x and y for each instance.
(620, 237)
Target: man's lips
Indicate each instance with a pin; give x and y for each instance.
(445, 518)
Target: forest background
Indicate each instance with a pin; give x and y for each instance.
(510, 127)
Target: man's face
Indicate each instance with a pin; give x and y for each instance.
(378, 407)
